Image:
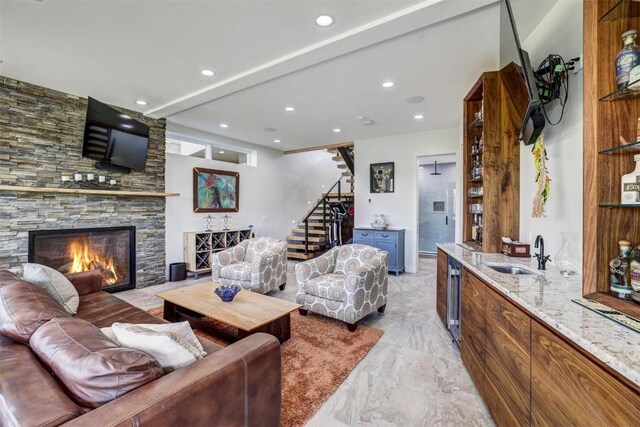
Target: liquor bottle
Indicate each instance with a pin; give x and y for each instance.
(474, 228)
(480, 230)
(634, 266)
(480, 169)
(631, 185)
(627, 59)
(620, 277)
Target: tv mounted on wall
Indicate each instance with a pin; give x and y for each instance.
(116, 141)
(510, 51)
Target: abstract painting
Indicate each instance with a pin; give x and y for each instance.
(215, 190)
(381, 177)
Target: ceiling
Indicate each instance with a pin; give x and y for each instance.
(266, 55)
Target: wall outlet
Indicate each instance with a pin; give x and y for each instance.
(265, 218)
(578, 65)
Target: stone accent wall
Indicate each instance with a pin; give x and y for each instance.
(41, 132)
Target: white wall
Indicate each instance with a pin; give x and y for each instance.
(560, 32)
(272, 195)
(401, 207)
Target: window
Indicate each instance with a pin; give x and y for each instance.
(187, 146)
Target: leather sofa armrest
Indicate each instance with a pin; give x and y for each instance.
(86, 282)
(236, 386)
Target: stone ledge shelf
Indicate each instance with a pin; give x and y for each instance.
(19, 189)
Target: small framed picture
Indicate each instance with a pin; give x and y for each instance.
(382, 177)
(215, 190)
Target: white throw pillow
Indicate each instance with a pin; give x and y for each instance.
(55, 284)
(112, 337)
(172, 345)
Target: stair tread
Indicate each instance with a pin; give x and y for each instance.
(311, 231)
(347, 173)
(302, 238)
(312, 247)
(313, 224)
(342, 166)
(300, 255)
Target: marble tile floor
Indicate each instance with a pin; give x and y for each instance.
(412, 377)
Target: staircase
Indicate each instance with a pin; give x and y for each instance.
(310, 237)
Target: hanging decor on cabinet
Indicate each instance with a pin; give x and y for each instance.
(542, 178)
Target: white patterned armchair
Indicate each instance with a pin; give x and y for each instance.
(258, 265)
(347, 283)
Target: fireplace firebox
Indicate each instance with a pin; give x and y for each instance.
(112, 250)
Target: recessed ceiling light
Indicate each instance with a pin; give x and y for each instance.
(142, 102)
(388, 84)
(221, 152)
(415, 99)
(324, 20)
(277, 141)
(208, 73)
(270, 129)
(289, 109)
(224, 125)
(418, 117)
(337, 130)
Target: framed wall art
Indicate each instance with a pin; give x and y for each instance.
(382, 177)
(215, 190)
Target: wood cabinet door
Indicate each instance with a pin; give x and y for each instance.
(472, 344)
(441, 286)
(568, 389)
(507, 361)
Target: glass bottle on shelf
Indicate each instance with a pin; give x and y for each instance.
(634, 266)
(479, 231)
(619, 268)
(627, 59)
(480, 169)
(474, 228)
(631, 185)
(566, 258)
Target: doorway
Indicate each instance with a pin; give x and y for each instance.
(437, 202)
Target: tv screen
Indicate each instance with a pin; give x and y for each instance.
(511, 51)
(113, 137)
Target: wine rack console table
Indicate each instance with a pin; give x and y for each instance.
(199, 245)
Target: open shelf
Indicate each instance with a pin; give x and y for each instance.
(634, 147)
(618, 205)
(476, 179)
(622, 9)
(476, 123)
(625, 306)
(623, 93)
(23, 189)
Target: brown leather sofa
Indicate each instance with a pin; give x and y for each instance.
(238, 385)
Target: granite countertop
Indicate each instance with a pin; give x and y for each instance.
(548, 298)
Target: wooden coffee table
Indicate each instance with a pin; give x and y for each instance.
(249, 312)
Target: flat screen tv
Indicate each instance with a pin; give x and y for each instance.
(510, 51)
(113, 139)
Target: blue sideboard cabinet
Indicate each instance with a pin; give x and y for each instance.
(391, 240)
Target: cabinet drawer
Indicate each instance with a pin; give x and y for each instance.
(360, 235)
(386, 236)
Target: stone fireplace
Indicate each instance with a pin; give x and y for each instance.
(41, 133)
(111, 250)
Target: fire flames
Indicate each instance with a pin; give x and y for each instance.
(85, 259)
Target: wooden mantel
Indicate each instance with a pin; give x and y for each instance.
(21, 189)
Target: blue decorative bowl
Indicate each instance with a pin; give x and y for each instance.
(227, 292)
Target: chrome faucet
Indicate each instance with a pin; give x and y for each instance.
(542, 259)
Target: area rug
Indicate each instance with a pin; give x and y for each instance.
(315, 361)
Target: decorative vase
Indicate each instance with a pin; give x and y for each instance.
(379, 222)
(227, 293)
(566, 259)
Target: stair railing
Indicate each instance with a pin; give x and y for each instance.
(322, 200)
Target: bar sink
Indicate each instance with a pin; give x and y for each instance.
(512, 269)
